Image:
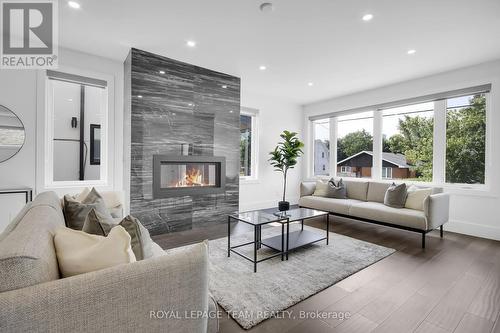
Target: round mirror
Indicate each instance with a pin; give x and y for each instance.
(11, 134)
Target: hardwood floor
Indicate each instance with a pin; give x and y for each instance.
(451, 286)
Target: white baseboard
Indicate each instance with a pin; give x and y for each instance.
(473, 229)
(245, 206)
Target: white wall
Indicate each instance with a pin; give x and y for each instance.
(471, 212)
(275, 115)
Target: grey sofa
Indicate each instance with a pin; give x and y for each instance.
(138, 297)
(365, 202)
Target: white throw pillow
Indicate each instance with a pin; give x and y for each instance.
(78, 252)
(321, 188)
(416, 196)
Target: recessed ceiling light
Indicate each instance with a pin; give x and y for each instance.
(367, 17)
(162, 72)
(412, 51)
(74, 4)
(230, 111)
(190, 104)
(262, 67)
(70, 99)
(310, 84)
(173, 113)
(139, 96)
(191, 43)
(224, 86)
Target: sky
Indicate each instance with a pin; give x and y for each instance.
(391, 117)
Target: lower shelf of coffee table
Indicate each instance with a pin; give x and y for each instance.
(296, 239)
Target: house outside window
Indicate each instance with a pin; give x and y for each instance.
(321, 148)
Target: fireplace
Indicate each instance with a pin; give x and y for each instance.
(175, 176)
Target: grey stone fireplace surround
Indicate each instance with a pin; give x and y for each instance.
(186, 116)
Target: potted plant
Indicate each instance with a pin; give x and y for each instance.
(284, 157)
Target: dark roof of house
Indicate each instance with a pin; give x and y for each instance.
(397, 159)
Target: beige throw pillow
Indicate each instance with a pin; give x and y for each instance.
(78, 252)
(321, 188)
(416, 197)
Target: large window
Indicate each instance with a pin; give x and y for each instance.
(355, 145)
(440, 138)
(407, 142)
(466, 139)
(248, 144)
(321, 148)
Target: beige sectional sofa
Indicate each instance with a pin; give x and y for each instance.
(365, 202)
(153, 295)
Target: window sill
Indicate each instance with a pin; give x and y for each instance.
(244, 181)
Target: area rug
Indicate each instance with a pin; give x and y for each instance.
(253, 297)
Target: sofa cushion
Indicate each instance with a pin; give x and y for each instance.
(339, 206)
(321, 189)
(27, 254)
(395, 196)
(307, 188)
(336, 190)
(416, 196)
(97, 224)
(382, 213)
(79, 252)
(75, 212)
(356, 189)
(376, 191)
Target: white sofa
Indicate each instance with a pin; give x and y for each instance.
(365, 202)
(134, 297)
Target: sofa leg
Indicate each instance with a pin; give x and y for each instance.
(441, 231)
(423, 240)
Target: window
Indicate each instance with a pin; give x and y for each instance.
(440, 138)
(77, 131)
(248, 144)
(466, 139)
(321, 148)
(386, 173)
(355, 145)
(407, 142)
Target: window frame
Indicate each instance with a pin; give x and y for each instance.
(254, 153)
(45, 180)
(439, 146)
(387, 176)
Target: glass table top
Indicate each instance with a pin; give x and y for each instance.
(265, 216)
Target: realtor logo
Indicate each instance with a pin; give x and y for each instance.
(29, 34)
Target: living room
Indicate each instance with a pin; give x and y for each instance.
(223, 166)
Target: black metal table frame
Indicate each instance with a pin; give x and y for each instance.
(257, 242)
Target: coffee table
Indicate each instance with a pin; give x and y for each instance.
(285, 242)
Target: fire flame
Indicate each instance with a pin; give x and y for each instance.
(193, 177)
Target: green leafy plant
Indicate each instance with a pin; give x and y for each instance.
(285, 155)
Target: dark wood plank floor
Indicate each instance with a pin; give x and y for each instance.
(451, 286)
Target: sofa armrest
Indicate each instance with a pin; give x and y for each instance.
(132, 297)
(307, 188)
(437, 210)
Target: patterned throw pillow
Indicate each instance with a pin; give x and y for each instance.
(336, 190)
(395, 196)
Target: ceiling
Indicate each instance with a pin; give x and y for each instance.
(321, 41)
